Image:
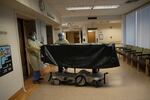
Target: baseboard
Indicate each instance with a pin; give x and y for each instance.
(19, 92)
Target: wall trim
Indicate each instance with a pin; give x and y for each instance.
(13, 97)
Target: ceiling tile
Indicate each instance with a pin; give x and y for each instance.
(60, 6)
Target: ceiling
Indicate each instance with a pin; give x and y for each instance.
(60, 6)
(74, 20)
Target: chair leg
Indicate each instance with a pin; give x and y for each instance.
(132, 61)
(147, 68)
(123, 57)
(138, 67)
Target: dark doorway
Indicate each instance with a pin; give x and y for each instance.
(25, 27)
(22, 48)
(49, 31)
(81, 35)
(73, 36)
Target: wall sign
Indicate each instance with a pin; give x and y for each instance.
(5, 60)
(100, 36)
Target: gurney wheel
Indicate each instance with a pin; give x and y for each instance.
(80, 80)
(97, 83)
(50, 77)
(56, 81)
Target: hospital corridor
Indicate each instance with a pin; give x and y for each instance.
(74, 49)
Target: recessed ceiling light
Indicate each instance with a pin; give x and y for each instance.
(95, 7)
(78, 8)
(106, 7)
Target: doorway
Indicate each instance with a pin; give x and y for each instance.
(91, 37)
(49, 31)
(25, 27)
(73, 36)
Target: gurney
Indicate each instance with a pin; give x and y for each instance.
(87, 56)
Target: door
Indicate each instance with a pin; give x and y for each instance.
(73, 36)
(76, 37)
(49, 31)
(91, 37)
(29, 27)
(22, 48)
(25, 27)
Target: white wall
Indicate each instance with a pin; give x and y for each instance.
(40, 25)
(116, 32)
(56, 30)
(54, 14)
(34, 4)
(110, 30)
(84, 32)
(41, 31)
(13, 81)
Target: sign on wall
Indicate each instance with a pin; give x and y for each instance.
(100, 36)
(5, 60)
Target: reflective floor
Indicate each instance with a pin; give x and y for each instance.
(123, 83)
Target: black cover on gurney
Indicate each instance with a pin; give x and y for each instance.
(80, 56)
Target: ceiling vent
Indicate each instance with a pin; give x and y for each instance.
(92, 18)
(131, 1)
(92, 28)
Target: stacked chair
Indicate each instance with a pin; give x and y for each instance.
(126, 52)
(148, 67)
(136, 56)
(144, 61)
(130, 54)
(119, 50)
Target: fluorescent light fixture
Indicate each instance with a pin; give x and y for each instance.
(115, 21)
(106, 7)
(95, 7)
(78, 8)
(90, 31)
